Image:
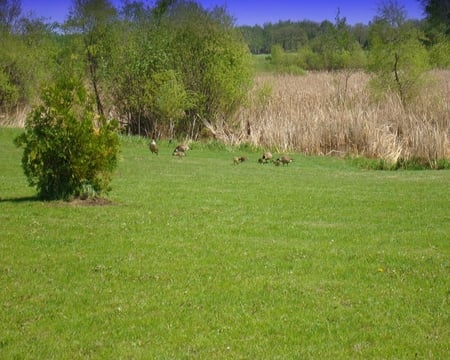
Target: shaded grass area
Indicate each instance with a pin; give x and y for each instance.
(198, 258)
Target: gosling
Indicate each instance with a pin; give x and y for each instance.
(153, 147)
(239, 159)
(267, 157)
(180, 154)
(285, 160)
(180, 149)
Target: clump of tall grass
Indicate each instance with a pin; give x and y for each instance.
(334, 114)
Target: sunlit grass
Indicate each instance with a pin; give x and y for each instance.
(200, 258)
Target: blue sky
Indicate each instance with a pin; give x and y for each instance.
(253, 12)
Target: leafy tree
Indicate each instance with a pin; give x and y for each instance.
(398, 58)
(10, 11)
(171, 100)
(254, 37)
(213, 61)
(9, 86)
(309, 59)
(95, 21)
(141, 52)
(440, 52)
(69, 150)
(27, 47)
(438, 14)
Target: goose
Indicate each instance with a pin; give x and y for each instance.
(239, 159)
(285, 160)
(267, 156)
(183, 148)
(180, 154)
(153, 147)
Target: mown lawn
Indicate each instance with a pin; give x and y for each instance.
(199, 259)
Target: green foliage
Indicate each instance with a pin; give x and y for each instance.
(184, 64)
(334, 49)
(27, 60)
(398, 59)
(440, 52)
(284, 63)
(438, 14)
(68, 149)
(308, 59)
(171, 99)
(140, 55)
(16, 77)
(94, 21)
(9, 94)
(212, 58)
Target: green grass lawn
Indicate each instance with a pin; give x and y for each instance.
(197, 258)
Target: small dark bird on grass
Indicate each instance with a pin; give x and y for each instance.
(153, 147)
(183, 148)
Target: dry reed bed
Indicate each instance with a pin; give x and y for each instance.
(325, 113)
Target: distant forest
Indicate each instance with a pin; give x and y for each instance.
(292, 36)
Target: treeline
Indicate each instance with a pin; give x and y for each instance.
(308, 45)
(292, 36)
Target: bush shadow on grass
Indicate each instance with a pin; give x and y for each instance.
(20, 199)
(97, 201)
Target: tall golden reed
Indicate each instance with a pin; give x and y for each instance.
(334, 113)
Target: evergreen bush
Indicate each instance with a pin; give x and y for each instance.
(69, 150)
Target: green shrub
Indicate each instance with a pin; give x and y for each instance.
(9, 94)
(69, 150)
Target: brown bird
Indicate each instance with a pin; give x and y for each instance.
(180, 154)
(239, 159)
(285, 160)
(267, 156)
(153, 147)
(183, 148)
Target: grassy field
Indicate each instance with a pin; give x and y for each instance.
(196, 258)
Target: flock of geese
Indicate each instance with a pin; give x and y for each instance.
(267, 157)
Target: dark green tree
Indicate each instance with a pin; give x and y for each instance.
(178, 65)
(141, 53)
(438, 14)
(95, 21)
(213, 60)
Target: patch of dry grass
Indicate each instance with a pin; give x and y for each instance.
(325, 113)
